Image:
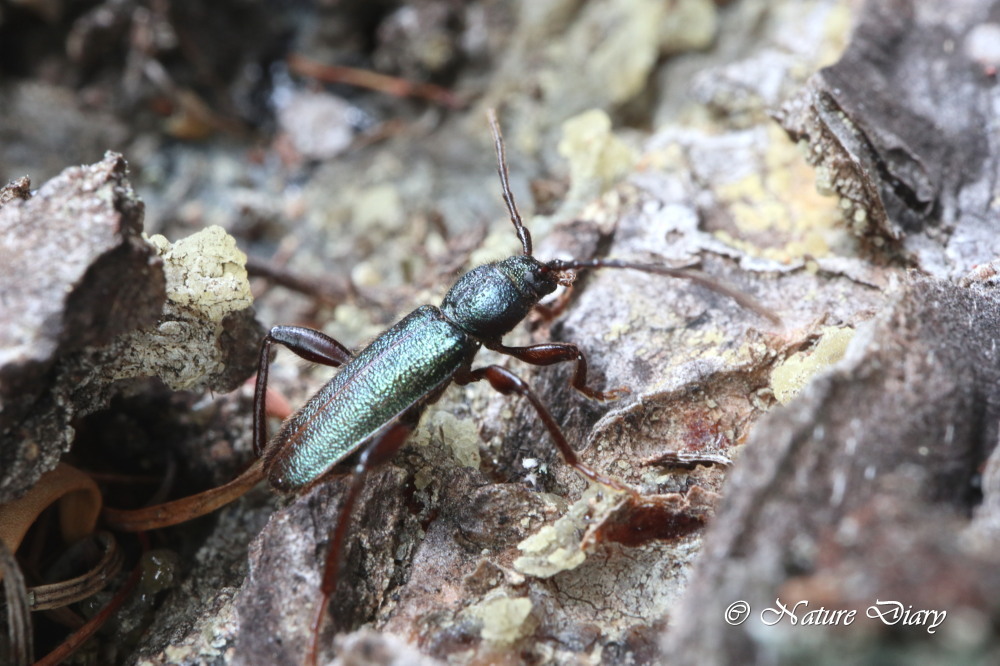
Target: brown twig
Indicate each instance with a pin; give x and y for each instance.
(363, 78)
(329, 293)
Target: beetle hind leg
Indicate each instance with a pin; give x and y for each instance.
(305, 342)
(381, 449)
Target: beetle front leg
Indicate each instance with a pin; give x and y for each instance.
(506, 382)
(550, 353)
(306, 343)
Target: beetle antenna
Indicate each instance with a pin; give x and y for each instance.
(508, 196)
(696, 276)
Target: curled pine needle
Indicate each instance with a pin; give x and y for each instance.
(18, 612)
(79, 503)
(84, 633)
(74, 492)
(63, 593)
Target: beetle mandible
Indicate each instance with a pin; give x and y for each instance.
(362, 416)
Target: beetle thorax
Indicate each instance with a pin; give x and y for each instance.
(490, 300)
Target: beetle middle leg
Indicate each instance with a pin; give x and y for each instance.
(507, 383)
(550, 353)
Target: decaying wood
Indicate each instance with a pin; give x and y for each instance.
(75, 273)
(902, 129)
(89, 308)
(875, 492)
(878, 484)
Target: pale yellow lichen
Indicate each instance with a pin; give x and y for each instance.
(423, 477)
(378, 206)
(205, 272)
(444, 429)
(206, 280)
(782, 201)
(352, 324)
(558, 547)
(178, 654)
(620, 42)
(505, 620)
(688, 25)
(837, 31)
(461, 435)
(790, 378)
(616, 330)
(597, 158)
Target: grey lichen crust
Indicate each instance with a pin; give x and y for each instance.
(88, 306)
(206, 285)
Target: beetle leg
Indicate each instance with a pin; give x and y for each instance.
(184, 509)
(382, 448)
(549, 353)
(506, 382)
(306, 343)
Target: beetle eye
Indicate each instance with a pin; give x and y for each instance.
(540, 281)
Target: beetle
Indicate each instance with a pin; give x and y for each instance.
(364, 414)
